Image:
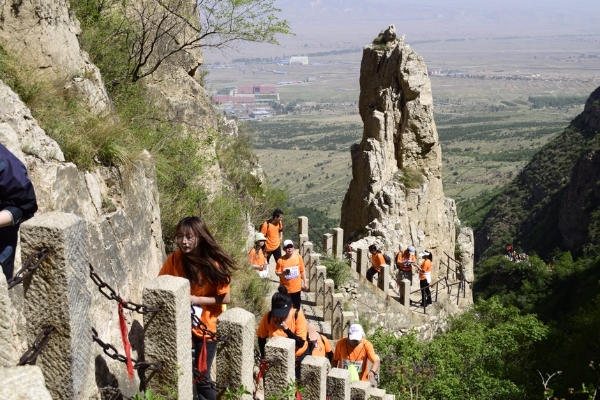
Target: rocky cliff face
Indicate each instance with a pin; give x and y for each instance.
(44, 35)
(396, 197)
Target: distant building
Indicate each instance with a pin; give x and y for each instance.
(299, 60)
(257, 89)
(257, 114)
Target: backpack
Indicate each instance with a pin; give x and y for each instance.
(387, 259)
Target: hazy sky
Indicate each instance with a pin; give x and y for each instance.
(322, 24)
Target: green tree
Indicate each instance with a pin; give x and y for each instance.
(129, 40)
(486, 354)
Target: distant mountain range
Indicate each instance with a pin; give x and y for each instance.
(431, 17)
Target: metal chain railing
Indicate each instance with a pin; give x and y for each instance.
(39, 344)
(111, 294)
(198, 324)
(28, 269)
(113, 353)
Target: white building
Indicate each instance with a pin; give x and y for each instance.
(299, 60)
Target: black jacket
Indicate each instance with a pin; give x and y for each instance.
(16, 190)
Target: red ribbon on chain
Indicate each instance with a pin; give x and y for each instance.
(126, 344)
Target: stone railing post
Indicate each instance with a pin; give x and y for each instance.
(302, 228)
(313, 374)
(353, 261)
(8, 351)
(23, 382)
(336, 314)
(360, 390)
(338, 384)
(168, 336)
(321, 276)
(383, 278)
(338, 242)
(363, 262)
(376, 394)
(235, 361)
(347, 320)
(315, 259)
(306, 249)
(328, 244)
(281, 352)
(405, 292)
(301, 240)
(328, 299)
(57, 295)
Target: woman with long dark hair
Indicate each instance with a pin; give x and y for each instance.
(201, 260)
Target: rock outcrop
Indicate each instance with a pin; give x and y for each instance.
(44, 36)
(395, 197)
(120, 208)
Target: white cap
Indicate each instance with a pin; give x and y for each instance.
(356, 332)
(287, 243)
(424, 253)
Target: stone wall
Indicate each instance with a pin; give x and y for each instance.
(123, 240)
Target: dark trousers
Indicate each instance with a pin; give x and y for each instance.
(296, 299)
(370, 272)
(425, 293)
(275, 253)
(8, 246)
(205, 391)
(402, 274)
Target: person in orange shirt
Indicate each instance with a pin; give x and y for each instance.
(284, 321)
(377, 260)
(404, 262)
(256, 256)
(354, 351)
(319, 344)
(273, 230)
(201, 260)
(290, 270)
(425, 277)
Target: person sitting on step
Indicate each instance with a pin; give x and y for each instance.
(377, 259)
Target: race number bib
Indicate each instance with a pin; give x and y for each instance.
(294, 272)
(346, 364)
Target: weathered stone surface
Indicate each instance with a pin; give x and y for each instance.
(399, 139)
(360, 390)
(44, 35)
(168, 335)
(7, 355)
(23, 383)
(466, 243)
(338, 384)
(235, 358)
(313, 374)
(281, 351)
(376, 394)
(57, 296)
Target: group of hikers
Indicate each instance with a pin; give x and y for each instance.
(208, 267)
(406, 263)
(512, 255)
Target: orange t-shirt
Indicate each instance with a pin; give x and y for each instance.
(425, 267)
(293, 281)
(174, 266)
(257, 258)
(345, 355)
(296, 325)
(400, 259)
(272, 233)
(322, 347)
(378, 260)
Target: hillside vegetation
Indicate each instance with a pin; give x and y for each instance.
(526, 211)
